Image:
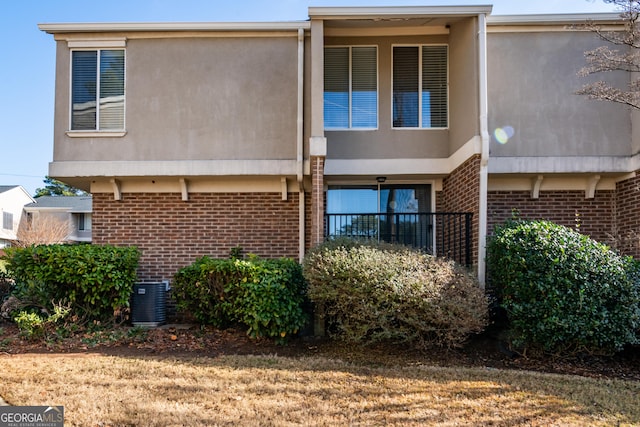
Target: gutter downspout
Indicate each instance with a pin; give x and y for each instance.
(484, 155)
(300, 146)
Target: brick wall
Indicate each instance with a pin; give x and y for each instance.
(595, 217)
(627, 232)
(317, 200)
(172, 233)
(461, 193)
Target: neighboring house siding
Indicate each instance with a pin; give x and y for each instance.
(461, 193)
(172, 233)
(12, 200)
(594, 217)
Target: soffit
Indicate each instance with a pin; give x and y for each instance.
(386, 19)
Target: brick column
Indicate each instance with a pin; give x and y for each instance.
(317, 156)
(317, 200)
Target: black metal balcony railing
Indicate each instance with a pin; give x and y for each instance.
(446, 234)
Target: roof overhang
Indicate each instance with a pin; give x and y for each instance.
(395, 12)
(557, 19)
(393, 20)
(36, 208)
(108, 27)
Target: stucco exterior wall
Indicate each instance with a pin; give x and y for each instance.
(532, 77)
(463, 83)
(386, 142)
(195, 98)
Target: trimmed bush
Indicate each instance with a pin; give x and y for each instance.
(199, 289)
(96, 281)
(266, 296)
(562, 291)
(372, 292)
(6, 284)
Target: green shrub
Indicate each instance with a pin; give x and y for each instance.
(30, 324)
(266, 296)
(6, 285)
(374, 292)
(199, 289)
(94, 280)
(33, 325)
(562, 291)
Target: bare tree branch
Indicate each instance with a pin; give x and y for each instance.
(43, 230)
(622, 54)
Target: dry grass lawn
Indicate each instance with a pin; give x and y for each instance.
(100, 390)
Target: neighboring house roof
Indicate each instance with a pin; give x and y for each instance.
(4, 188)
(74, 204)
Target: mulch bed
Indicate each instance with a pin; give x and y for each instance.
(189, 341)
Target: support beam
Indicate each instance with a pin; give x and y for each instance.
(115, 185)
(283, 187)
(483, 108)
(300, 148)
(590, 192)
(184, 189)
(535, 189)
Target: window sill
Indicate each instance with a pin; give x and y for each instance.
(350, 129)
(414, 128)
(95, 134)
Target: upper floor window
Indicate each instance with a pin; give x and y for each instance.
(97, 89)
(351, 87)
(7, 220)
(420, 86)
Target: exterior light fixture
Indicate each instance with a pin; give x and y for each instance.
(381, 179)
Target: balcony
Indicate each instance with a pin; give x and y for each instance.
(438, 233)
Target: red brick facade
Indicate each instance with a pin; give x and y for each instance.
(627, 232)
(461, 193)
(611, 217)
(594, 217)
(172, 233)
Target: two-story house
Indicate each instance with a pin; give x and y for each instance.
(12, 200)
(422, 125)
(61, 218)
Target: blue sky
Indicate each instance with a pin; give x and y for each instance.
(27, 70)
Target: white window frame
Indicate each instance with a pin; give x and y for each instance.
(96, 45)
(7, 221)
(84, 221)
(420, 73)
(350, 118)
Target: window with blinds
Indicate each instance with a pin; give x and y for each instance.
(7, 220)
(351, 87)
(420, 86)
(84, 222)
(97, 89)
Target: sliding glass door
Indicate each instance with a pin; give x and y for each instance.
(398, 213)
